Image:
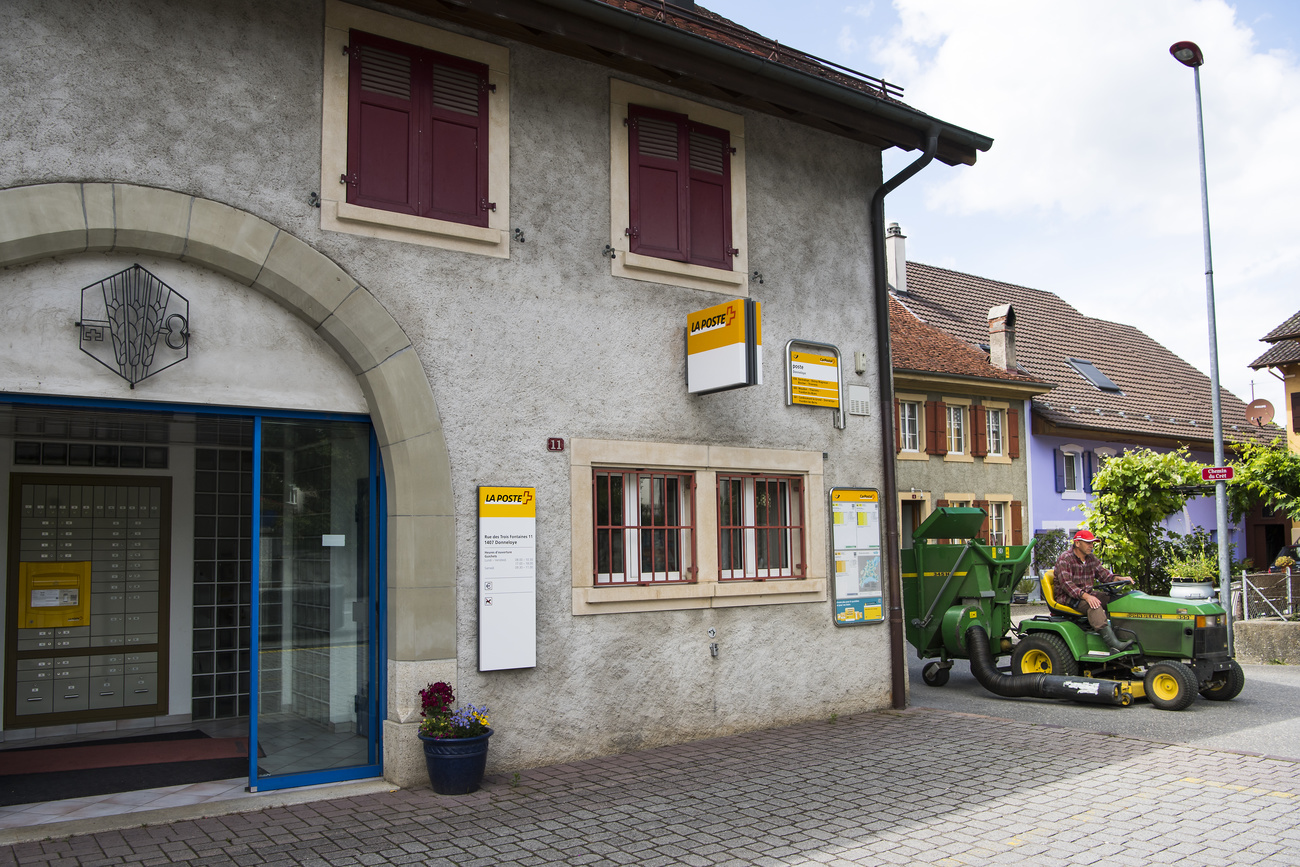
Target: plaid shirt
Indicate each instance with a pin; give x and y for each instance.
(1072, 578)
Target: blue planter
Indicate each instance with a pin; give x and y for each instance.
(456, 765)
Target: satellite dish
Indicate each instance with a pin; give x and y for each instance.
(1259, 412)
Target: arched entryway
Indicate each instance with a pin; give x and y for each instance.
(39, 222)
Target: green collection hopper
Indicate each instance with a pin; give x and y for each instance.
(945, 583)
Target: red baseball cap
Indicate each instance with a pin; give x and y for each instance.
(1085, 536)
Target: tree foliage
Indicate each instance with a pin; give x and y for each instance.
(1133, 493)
(1265, 474)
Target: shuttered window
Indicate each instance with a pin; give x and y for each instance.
(679, 188)
(417, 131)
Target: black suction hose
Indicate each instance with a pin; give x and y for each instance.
(1034, 685)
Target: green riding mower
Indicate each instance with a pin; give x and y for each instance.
(957, 599)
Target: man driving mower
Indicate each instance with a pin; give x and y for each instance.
(1074, 582)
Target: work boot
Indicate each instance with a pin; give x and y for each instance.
(1107, 634)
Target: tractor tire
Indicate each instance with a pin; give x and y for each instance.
(1170, 685)
(1043, 653)
(1227, 684)
(935, 674)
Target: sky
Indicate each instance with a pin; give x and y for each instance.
(1092, 187)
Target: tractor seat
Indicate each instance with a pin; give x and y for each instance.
(1049, 595)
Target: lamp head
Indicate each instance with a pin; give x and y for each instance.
(1187, 53)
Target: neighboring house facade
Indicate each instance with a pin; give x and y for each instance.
(1283, 356)
(291, 288)
(959, 427)
(1113, 389)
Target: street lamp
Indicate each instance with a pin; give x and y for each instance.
(1189, 54)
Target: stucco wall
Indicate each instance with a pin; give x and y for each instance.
(224, 103)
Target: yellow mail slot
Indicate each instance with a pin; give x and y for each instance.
(53, 594)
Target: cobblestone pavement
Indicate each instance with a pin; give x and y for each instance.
(915, 787)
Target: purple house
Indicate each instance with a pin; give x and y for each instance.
(1114, 388)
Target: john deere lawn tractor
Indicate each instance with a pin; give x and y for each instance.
(957, 599)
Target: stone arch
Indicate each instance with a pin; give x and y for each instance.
(38, 222)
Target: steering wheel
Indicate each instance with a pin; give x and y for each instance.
(1112, 586)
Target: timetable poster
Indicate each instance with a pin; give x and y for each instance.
(855, 539)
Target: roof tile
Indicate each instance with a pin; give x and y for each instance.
(1161, 394)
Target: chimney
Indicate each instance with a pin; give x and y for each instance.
(1002, 337)
(895, 260)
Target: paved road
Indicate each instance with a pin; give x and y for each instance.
(921, 786)
(1264, 719)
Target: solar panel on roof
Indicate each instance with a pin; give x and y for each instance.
(1090, 372)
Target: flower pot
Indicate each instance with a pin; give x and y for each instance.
(456, 764)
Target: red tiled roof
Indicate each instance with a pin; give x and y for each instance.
(925, 349)
(1162, 395)
(1282, 352)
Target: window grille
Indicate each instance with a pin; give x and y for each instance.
(760, 527)
(644, 527)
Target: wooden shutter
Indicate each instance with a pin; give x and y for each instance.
(455, 155)
(898, 428)
(1017, 523)
(1013, 433)
(383, 132)
(1295, 411)
(979, 441)
(936, 427)
(988, 523)
(1086, 466)
(708, 196)
(658, 171)
(1058, 458)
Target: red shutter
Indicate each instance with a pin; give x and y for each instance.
(979, 446)
(987, 525)
(455, 157)
(1013, 433)
(898, 429)
(709, 196)
(939, 427)
(383, 135)
(658, 171)
(1017, 523)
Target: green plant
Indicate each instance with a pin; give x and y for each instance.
(834, 718)
(514, 780)
(440, 721)
(1133, 493)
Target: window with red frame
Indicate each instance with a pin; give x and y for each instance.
(760, 527)
(680, 188)
(417, 131)
(644, 526)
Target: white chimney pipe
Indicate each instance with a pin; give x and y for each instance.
(896, 260)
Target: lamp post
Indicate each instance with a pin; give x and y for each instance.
(1189, 54)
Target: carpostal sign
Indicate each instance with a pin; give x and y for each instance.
(724, 347)
(507, 578)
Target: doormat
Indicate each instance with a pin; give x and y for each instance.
(55, 773)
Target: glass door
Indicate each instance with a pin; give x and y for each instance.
(315, 674)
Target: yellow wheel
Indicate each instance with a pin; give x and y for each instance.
(1043, 653)
(1170, 685)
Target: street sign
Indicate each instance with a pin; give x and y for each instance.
(1216, 474)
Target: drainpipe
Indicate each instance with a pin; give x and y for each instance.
(884, 359)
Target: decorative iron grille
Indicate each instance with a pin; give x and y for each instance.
(134, 324)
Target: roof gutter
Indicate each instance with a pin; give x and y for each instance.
(640, 27)
(884, 361)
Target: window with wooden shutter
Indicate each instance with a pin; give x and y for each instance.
(1017, 523)
(1013, 433)
(979, 446)
(936, 427)
(1295, 411)
(417, 131)
(679, 188)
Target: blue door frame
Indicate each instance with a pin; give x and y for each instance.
(377, 617)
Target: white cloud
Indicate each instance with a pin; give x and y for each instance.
(1091, 188)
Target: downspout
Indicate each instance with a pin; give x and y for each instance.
(884, 359)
